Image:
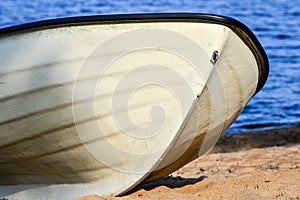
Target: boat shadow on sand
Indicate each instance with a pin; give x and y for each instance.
(170, 182)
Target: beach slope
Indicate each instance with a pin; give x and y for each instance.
(257, 165)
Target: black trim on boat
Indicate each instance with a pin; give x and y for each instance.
(239, 28)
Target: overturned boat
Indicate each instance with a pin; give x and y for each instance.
(100, 104)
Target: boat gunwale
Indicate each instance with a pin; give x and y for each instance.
(242, 31)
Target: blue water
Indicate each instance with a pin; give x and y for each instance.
(276, 23)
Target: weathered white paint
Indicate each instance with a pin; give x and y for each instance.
(44, 93)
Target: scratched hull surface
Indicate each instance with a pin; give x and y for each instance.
(79, 101)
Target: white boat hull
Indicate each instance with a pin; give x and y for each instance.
(79, 102)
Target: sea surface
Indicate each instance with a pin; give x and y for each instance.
(276, 23)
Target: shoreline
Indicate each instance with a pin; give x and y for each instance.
(253, 165)
(258, 139)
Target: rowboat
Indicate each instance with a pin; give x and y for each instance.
(100, 104)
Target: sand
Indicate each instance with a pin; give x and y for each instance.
(258, 165)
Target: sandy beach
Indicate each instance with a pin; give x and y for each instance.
(257, 165)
